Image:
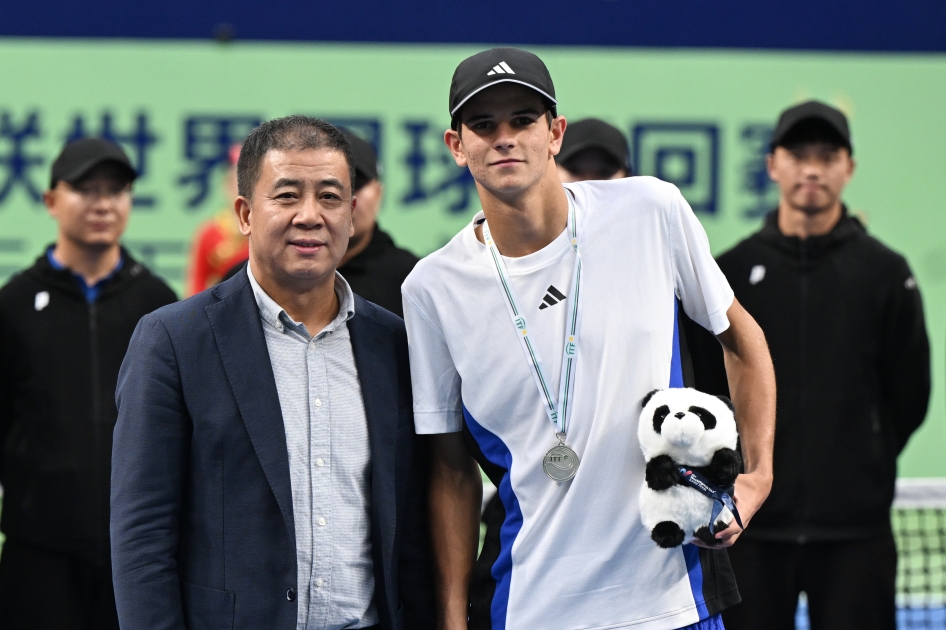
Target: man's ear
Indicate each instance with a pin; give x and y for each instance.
(242, 208)
(351, 223)
(453, 141)
(49, 199)
(557, 131)
(770, 165)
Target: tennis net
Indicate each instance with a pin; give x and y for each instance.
(919, 528)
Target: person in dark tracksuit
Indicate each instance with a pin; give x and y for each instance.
(65, 324)
(593, 150)
(844, 321)
(373, 265)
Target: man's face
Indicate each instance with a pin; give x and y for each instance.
(811, 176)
(505, 138)
(94, 211)
(365, 215)
(300, 217)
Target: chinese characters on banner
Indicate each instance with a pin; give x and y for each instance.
(17, 158)
(685, 153)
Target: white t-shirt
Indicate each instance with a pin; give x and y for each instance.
(571, 555)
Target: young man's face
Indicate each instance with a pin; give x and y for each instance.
(300, 217)
(505, 139)
(93, 212)
(811, 176)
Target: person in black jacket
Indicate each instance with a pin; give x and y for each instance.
(844, 321)
(65, 324)
(593, 150)
(265, 477)
(373, 265)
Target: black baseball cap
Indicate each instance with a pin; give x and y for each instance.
(366, 162)
(815, 118)
(499, 65)
(81, 156)
(591, 133)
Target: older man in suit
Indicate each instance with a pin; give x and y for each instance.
(265, 472)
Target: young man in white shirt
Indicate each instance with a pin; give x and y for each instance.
(571, 552)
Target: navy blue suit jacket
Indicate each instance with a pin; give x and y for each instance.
(202, 530)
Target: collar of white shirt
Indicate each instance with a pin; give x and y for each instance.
(276, 316)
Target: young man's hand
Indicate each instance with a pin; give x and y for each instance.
(752, 385)
(751, 491)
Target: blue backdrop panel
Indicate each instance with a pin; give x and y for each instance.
(867, 25)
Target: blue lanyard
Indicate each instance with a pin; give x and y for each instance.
(721, 497)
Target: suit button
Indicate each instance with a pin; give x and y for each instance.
(291, 595)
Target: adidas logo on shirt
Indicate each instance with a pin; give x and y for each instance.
(552, 297)
(502, 68)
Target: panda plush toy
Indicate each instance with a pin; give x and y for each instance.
(683, 431)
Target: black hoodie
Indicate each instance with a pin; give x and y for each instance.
(59, 361)
(844, 322)
(378, 272)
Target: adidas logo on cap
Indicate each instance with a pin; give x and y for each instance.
(490, 67)
(502, 68)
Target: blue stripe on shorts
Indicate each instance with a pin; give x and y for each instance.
(712, 623)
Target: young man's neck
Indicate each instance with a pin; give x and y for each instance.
(803, 224)
(524, 224)
(92, 264)
(314, 305)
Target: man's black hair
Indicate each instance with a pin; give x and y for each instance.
(292, 133)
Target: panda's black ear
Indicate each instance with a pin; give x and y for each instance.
(648, 397)
(728, 403)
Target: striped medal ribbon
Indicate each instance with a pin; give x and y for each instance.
(561, 462)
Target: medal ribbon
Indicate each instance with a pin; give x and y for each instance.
(721, 497)
(557, 410)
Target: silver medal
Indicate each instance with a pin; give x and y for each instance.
(560, 463)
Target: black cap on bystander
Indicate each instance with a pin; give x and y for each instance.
(366, 162)
(591, 133)
(81, 156)
(813, 119)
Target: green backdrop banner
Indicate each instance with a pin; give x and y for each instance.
(698, 119)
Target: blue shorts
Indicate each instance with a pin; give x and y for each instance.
(713, 623)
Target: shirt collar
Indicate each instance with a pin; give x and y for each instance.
(92, 292)
(276, 316)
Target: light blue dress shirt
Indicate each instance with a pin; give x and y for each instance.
(329, 463)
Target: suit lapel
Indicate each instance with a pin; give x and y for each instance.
(373, 346)
(236, 326)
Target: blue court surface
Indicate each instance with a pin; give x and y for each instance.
(907, 618)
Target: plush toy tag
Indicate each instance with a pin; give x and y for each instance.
(720, 497)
